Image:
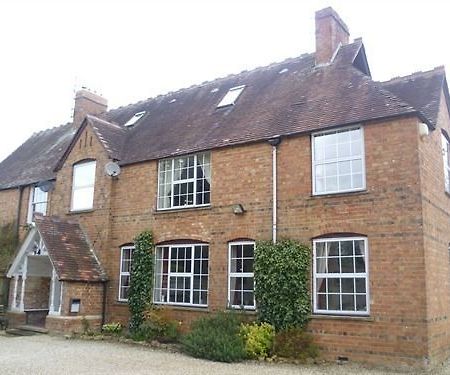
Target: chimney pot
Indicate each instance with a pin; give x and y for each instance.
(331, 32)
(86, 102)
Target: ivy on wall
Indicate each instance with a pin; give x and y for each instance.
(141, 284)
(282, 283)
(8, 244)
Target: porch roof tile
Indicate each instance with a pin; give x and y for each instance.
(69, 250)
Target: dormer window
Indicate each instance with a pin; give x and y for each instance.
(83, 186)
(38, 202)
(136, 117)
(231, 96)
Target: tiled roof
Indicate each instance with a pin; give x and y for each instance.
(422, 90)
(286, 98)
(35, 160)
(69, 249)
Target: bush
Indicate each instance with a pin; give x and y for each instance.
(282, 283)
(216, 338)
(156, 326)
(258, 339)
(112, 328)
(295, 343)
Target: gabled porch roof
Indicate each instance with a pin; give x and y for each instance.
(67, 247)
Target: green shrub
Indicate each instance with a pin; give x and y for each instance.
(112, 328)
(216, 338)
(282, 283)
(295, 343)
(258, 339)
(156, 326)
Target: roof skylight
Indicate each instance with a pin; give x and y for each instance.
(231, 96)
(135, 118)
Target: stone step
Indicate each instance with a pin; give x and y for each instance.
(30, 328)
(26, 330)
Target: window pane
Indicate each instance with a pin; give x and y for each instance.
(336, 288)
(83, 198)
(338, 162)
(84, 174)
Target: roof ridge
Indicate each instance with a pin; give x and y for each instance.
(106, 122)
(50, 129)
(208, 82)
(420, 73)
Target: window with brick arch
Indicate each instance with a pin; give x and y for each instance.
(182, 275)
(241, 284)
(126, 257)
(341, 283)
(83, 186)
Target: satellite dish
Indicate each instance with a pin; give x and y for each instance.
(46, 186)
(112, 169)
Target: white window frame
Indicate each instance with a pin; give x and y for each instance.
(240, 274)
(446, 158)
(32, 203)
(75, 188)
(340, 276)
(187, 180)
(182, 274)
(314, 163)
(124, 273)
(230, 99)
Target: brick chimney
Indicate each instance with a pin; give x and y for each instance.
(331, 31)
(87, 102)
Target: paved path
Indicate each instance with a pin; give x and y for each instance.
(42, 354)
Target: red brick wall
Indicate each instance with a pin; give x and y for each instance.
(90, 294)
(436, 237)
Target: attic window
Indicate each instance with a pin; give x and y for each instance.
(231, 96)
(136, 117)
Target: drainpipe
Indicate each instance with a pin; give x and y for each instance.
(104, 305)
(274, 142)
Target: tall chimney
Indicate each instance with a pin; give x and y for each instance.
(331, 31)
(87, 102)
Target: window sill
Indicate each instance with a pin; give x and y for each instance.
(176, 210)
(343, 194)
(182, 308)
(242, 311)
(81, 211)
(363, 318)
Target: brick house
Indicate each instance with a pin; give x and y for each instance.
(310, 148)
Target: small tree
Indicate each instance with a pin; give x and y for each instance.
(282, 283)
(141, 284)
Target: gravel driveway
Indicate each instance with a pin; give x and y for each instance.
(42, 354)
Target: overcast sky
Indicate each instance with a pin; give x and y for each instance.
(131, 50)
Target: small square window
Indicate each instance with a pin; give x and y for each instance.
(231, 96)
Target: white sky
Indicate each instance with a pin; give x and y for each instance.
(131, 50)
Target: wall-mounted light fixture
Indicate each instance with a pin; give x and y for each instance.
(238, 209)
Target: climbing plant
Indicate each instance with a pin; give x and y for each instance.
(141, 284)
(282, 283)
(8, 244)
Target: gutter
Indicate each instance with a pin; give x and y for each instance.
(274, 142)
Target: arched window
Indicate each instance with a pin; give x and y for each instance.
(341, 283)
(83, 183)
(182, 274)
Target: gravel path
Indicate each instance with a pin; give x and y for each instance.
(42, 354)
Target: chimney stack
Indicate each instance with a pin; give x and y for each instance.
(331, 31)
(87, 102)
